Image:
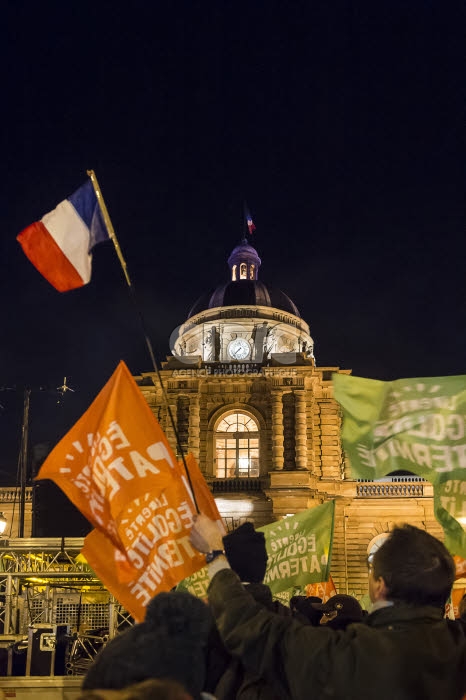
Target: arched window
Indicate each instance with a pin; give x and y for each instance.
(233, 273)
(243, 271)
(251, 271)
(237, 446)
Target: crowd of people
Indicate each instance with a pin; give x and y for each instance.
(242, 644)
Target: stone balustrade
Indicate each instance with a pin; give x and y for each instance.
(407, 487)
(10, 494)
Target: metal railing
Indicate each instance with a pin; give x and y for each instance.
(10, 494)
(236, 485)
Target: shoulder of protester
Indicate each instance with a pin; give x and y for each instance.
(263, 595)
(340, 662)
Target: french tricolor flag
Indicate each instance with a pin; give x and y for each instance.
(60, 244)
(249, 221)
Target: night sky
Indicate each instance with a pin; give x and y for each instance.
(341, 123)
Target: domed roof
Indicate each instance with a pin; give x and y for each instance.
(244, 289)
(244, 293)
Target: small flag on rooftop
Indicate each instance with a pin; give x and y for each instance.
(249, 221)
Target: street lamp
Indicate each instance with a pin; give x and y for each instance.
(3, 523)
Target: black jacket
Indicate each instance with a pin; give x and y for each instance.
(239, 683)
(398, 653)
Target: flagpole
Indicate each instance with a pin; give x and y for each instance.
(109, 225)
(23, 462)
(112, 234)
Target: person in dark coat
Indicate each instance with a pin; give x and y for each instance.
(146, 690)
(171, 643)
(405, 649)
(247, 555)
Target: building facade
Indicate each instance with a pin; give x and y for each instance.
(245, 395)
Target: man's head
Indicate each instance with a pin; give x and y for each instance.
(339, 606)
(411, 567)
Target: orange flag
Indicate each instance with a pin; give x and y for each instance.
(134, 586)
(118, 469)
(456, 595)
(204, 498)
(324, 590)
(460, 566)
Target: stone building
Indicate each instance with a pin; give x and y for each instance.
(250, 402)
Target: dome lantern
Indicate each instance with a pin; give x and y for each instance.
(244, 262)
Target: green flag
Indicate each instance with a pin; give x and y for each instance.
(299, 552)
(414, 424)
(197, 584)
(299, 548)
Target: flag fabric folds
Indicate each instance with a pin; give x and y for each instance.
(460, 566)
(119, 470)
(324, 590)
(299, 550)
(411, 424)
(60, 244)
(133, 588)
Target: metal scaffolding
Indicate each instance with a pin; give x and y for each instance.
(45, 581)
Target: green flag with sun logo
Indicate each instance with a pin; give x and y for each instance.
(299, 550)
(417, 425)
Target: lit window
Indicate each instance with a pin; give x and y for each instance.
(251, 272)
(243, 271)
(233, 273)
(237, 446)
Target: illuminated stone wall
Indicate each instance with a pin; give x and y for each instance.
(319, 472)
(10, 507)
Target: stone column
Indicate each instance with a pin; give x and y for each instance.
(300, 430)
(194, 423)
(277, 430)
(169, 429)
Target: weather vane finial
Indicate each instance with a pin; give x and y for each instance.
(63, 389)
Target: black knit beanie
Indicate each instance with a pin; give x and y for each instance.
(246, 553)
(170, 643)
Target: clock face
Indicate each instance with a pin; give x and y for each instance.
(239, 349)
